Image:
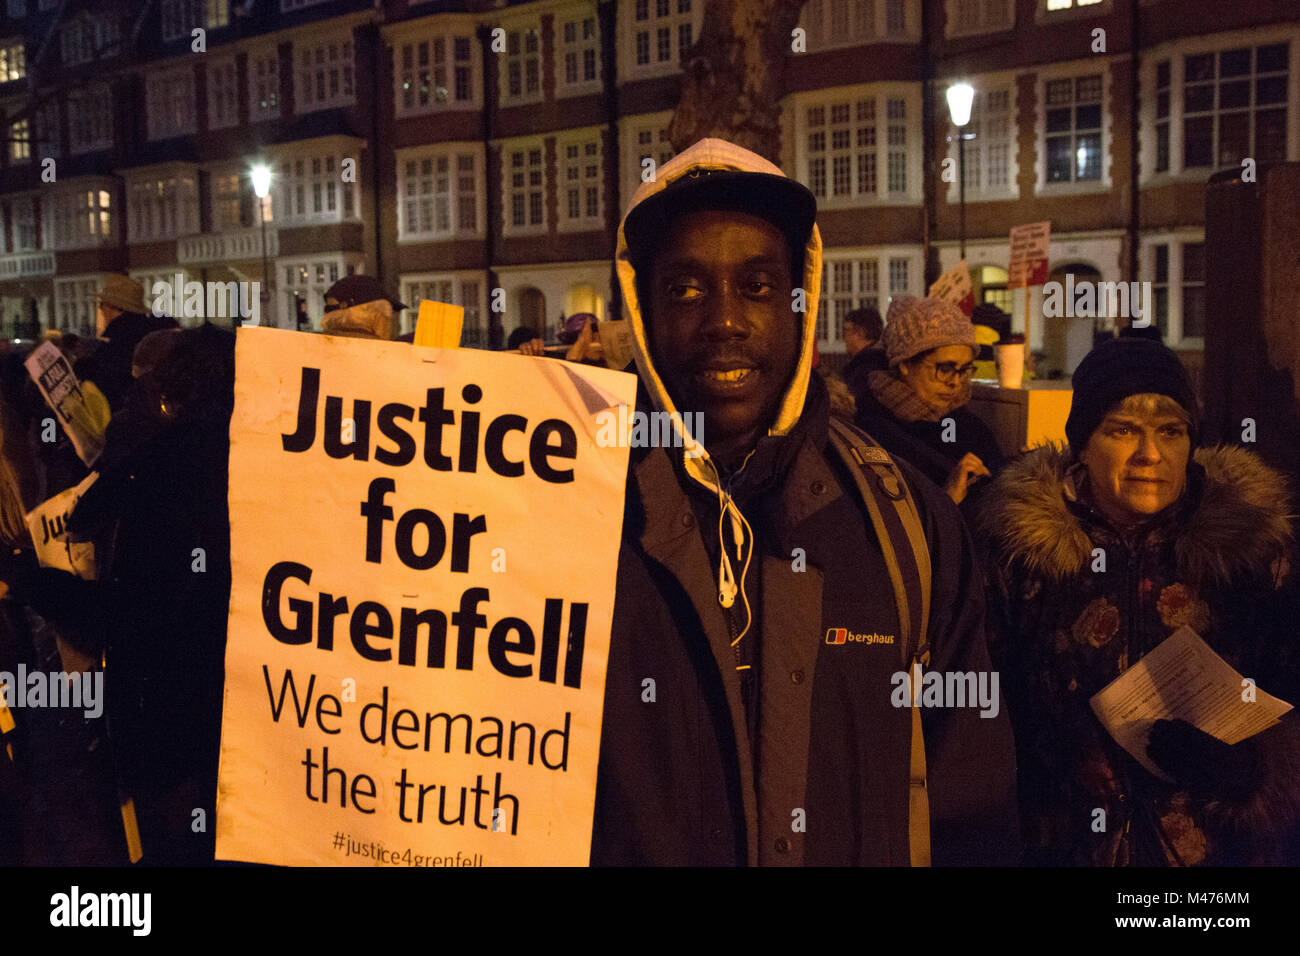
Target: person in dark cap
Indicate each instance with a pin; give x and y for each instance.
(1101, 551)
(862, 331)
(121, 320)
(359, 306)
(760, 710)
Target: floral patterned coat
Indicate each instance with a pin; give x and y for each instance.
(1075, 603)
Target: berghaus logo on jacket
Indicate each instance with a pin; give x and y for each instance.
(842, 635)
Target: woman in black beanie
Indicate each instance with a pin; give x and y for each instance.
(1100, 552)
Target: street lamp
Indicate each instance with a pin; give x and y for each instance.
(261, 176)
(960, 98)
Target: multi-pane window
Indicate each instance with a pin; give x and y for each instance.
(82, 217)
(20, 140)
(75, 304)
(306, 281)
(581, 176)
(163, 208)
(896, 17)
(324, 75)
(839, 22)
(439, 194)
(1234, 106)
(1178, 270)
(180, 17)
(663, 30)
(970, 17)
(988, 152)
(16, 9)
(1073, 129)
(433, 72)
(580, 51)
(849, 155)
(312, 189)
(900, 273)
(22, 212)
(525, 188)
(90, 118)
(463, 292)
(523, 64)
(1162, 116)
(846, 285)
(223, 94)
(13, 61)
(170, 103)
(264, 85)
(87, 37)
(233, 202)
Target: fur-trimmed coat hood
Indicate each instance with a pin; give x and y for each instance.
(1239, 524)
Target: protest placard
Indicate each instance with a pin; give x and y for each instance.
(1029, 254)
(424, 545)
(954, 286)
(83, 413)
(48, 525)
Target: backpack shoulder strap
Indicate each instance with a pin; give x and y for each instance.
(898, 528)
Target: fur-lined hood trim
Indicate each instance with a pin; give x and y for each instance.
(1240, 526)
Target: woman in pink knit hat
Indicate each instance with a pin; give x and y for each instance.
(914, 407)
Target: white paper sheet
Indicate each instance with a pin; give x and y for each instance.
(1182, 679)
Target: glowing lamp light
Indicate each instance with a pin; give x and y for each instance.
(960, 98)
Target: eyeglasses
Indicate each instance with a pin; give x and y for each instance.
(951, 372)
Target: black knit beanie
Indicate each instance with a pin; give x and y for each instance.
(1122, 367)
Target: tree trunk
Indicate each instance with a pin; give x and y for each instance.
(731, 83)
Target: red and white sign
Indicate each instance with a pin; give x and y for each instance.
(1029, 255)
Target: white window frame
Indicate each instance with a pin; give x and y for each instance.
(162, 203)
(98, 207)
(630, 26)
(578, 48)
(521, 29)
(312, 61)
(169, 103)
(909, 151)
(414, 285)
(633, 151)
(90, 109)
(448, 35)
(75, 303)
(85, 33)
(508, 189)
(1073, 71)
(985, 85)
(952, 27)
(1175, 52)
(830, 318)
(256, 113)
(243, 195)
(582, 140)
(22, 216)
(310, 173)
(1176, 239)
(225, 70)
(312, 275)
(453, 153)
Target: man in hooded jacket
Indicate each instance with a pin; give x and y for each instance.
(737, 728)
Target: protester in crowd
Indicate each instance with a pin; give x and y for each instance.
(158, 611)
(862, 331)
(121, 320)
(992, 326)
(581, 334)
(1100, 553)
(915, 406)
(750, 746)
(357, 306)
(526, 341)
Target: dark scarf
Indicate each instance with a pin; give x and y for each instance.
(907, 406)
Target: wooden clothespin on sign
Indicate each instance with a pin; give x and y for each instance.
(439, 325)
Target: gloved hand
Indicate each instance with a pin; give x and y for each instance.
(1203, 764)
